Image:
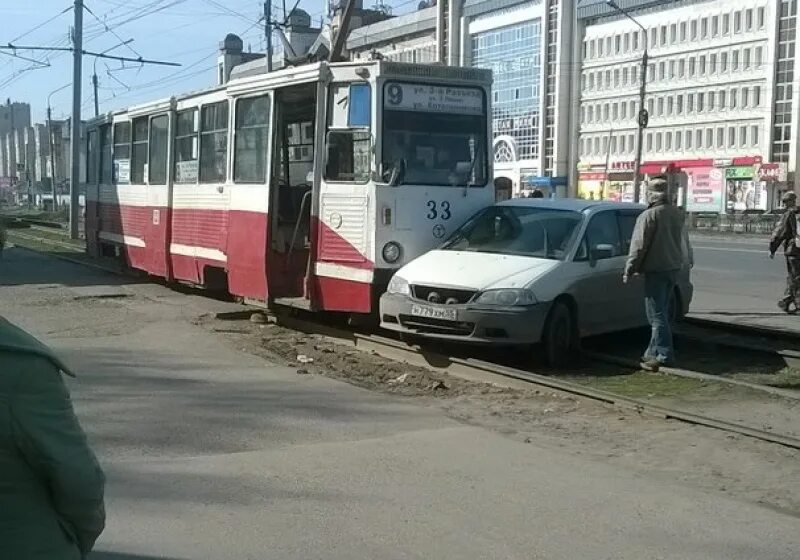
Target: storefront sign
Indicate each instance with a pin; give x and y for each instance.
(433, 99)
(723, 162)
(739, 172)
(704, 189)
(623, 165)
(771, 172)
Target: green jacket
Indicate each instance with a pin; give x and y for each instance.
(51, 486)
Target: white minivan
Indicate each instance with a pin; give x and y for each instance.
(526, 271)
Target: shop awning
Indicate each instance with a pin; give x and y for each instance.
(655, 168)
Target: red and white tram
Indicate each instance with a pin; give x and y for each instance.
(307, 186)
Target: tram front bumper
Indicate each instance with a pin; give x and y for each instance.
(464, 323)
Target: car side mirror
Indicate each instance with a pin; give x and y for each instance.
(602, 251)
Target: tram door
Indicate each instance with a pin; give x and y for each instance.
(291, 194)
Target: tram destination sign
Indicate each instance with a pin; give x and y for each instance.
(433, 99)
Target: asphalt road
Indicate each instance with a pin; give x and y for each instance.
(212, 453)
(735, 280)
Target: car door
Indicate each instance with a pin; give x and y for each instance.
(633, 294)
(599, 262)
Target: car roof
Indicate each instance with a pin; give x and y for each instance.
(574, 204)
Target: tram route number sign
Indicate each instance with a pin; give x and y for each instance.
(433, 99)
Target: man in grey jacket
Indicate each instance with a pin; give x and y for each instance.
(659, 250)
(785, 236)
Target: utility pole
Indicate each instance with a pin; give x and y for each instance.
(52, 157)
(643, 118)
(75, 136)
(604, 194)
(268, 32)
(94, 87)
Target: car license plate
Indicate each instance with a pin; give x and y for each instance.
(432, 312)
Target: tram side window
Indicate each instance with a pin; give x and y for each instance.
(122, 153)
(186, 153)
(252, 133)
(214, 143)
(159, 142)
(106, 151)
(139, 151)
(91, 160)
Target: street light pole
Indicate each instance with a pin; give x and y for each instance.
(643, 116)
(75, 133)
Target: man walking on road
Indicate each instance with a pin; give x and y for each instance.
(785, 234)
(51, 486)
(659, 250)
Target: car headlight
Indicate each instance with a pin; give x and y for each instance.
(392, 252)
(506, 297)
(398, 285)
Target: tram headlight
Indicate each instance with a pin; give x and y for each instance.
(399, 285)
(392, 252)
(506, 297)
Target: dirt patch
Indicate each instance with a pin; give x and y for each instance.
(715, 461)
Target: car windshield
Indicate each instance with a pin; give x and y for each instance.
(518, 230)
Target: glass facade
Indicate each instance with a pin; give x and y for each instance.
(513, 53)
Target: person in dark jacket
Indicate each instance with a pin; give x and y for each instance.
(51, 486)
(659, 249)
(785, 235)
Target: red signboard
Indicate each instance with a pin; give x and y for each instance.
(771, 172)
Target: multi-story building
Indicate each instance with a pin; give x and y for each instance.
(527, 44)
(721, 95)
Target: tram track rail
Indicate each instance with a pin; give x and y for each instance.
(484, 371)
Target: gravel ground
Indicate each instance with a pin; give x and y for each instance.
(728, 463)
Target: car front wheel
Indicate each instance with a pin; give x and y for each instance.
(560, 340)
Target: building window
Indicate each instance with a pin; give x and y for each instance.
(732, 98)
(693, 30)
(758, 59)
(691, 67)
(608, 79)
(613, 147)
(712, 64)
(715, 26)
(673, 34)
(710, 137)
(139, 150)
(650, 106)
(746, 59)
(663, 35)
(737, 22)
(735, 61)
(653, 37)
(704, 28)
(623, 110)
(756, 96)
(605, 112)
(745, 97)
(659, 144)
(632, 107)
(679, 105)
(723, 62)
(662, 70)
(687, 137)
(678, 141)
(754, 134)
(726, 24)
(626, 42)
(721, 99)
(690, 103)
(660, 106)
(649, 141)
(681, 68)
(700, 99)
(600, 47)
(636, 41)
(743, 136)
(761, 18)
(671, 69)
(605, 144)
(590, 114)
(670, 106)
(608, 46)
(615, 112)
(683, 31)
(748, 19)
(596, 145)
(731, 137)
(186, 143)
(617, 44)
(668, 141)
(651, 72)
(251, 139)
(710, 100)
(631, 145)
(720, 137)
(702, 64)
(214, 142)
(698, 139)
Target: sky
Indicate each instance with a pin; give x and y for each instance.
(183, 31)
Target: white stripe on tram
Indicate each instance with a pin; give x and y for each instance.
(122, 239)
(198, 252)
(332, 270)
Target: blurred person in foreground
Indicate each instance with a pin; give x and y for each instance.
(785, 235)
(659, 250)
(51, 486)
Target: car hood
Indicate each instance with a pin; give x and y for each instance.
(475, 271)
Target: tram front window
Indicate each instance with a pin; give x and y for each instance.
(425, 148)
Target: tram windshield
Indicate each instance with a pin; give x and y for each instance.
(434, 135)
